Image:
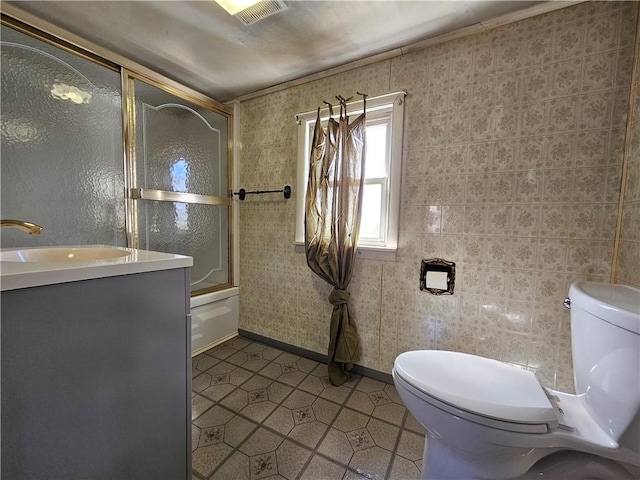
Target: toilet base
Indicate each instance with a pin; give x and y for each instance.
(577, 466)
(440, 463)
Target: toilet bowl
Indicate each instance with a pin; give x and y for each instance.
(489, 420)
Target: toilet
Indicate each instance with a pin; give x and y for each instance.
(489, 420)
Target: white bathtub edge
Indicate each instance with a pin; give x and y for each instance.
(213, 344)
(214, 296)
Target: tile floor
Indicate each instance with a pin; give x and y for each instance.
(259, 412)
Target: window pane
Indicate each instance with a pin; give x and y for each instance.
(371, 203)
(376, 166)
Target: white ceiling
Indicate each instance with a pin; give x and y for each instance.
(201, 46)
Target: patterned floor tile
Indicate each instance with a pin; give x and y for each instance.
(206, 459)
(360, 439)
(281, 420)
(309, 434)
(222, 351)
(383, 434)
(253, 398)
(201, 382)
(218, 392)
(223, 425)
(195, 437)
(288, 373)
(278, 392)
(261, 413)
(258, 411)
(287, 358)
(336, 446)
(349, 420)
(239, 343)
(321, 468)
(238, 358)
(307, 365)
(236, 468)
(298, 399)
(263, 465)
(255, 347)
(291, 459)
(325, 410)
(292, 378)
(237, 429)
(391, 412)
(404, 469)
(351, 475)
(361, 402)
(271, 353)
(335, 394)
(216, 415)
(320, 371)
(260, 442)
(199, 405)
(312, 385)
(411, 446)
(369, 385)
(255, 364)
(371, 462)
(204, 362)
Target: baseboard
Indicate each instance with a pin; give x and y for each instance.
(318, 357)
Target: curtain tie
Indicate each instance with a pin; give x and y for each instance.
(339, 297)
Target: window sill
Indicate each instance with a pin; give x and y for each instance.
(370, 253)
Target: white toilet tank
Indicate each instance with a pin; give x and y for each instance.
(605, 334)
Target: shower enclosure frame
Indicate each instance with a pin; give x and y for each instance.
(129, 71)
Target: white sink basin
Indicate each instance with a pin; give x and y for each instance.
(39, 266)
(62, 254)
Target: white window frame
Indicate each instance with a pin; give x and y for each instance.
(388, 109)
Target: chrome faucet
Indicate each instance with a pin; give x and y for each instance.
(30, 228)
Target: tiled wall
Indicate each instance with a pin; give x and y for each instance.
(512, 162)
(628, 266)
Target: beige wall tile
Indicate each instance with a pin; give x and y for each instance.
(513, 153)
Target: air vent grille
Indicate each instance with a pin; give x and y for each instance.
(260, 11)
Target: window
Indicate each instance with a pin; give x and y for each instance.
(381, 197)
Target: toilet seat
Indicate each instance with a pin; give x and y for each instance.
(478, 389)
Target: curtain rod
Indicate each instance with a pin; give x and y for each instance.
(373, 103)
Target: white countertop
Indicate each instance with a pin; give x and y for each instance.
(15, 275)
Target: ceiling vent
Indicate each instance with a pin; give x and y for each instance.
(260, 11)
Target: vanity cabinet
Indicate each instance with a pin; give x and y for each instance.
(96, 378)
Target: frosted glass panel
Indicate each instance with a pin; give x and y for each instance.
(199, 231)
(182, 147)
(61, 145)
(177, 139)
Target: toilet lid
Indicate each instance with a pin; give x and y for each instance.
(478, 385)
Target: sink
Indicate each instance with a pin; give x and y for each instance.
(62, 254)
(28, 267)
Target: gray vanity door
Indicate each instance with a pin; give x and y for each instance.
(96, 379)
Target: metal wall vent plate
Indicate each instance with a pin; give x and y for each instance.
(260, 11)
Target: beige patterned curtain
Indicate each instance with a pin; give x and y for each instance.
(332, 220)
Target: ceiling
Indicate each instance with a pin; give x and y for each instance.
(200, 45)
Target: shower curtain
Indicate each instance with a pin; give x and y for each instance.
(332, 220)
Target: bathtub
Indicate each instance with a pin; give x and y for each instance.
(214, 319)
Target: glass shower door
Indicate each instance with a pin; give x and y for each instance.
(179, 178)
(61, 131)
